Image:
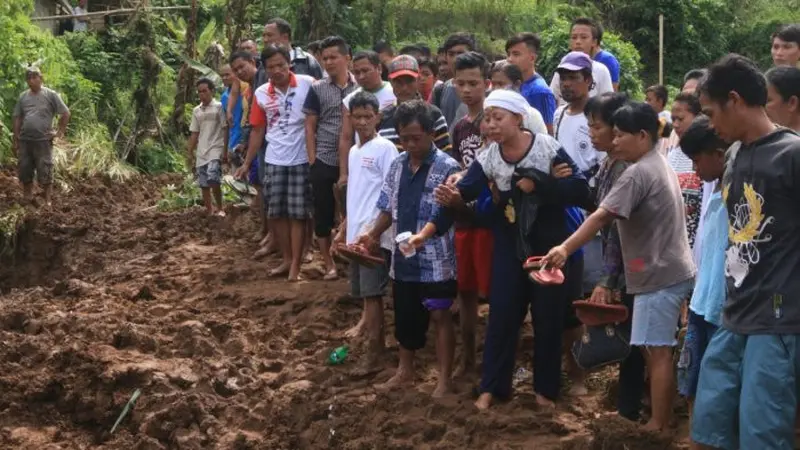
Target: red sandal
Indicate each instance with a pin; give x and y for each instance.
(543, 275)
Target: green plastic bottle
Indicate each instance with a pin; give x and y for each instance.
(338, 355)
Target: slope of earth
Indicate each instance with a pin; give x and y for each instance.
(104, 295)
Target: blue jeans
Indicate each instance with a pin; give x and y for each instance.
(747, 394)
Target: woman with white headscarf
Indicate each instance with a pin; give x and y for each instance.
(514, 151)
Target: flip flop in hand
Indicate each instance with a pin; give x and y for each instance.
(539, 272)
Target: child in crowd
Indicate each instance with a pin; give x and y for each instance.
(473, 230)
(656, 96)
(647, 204)
(207, 144)
(685, 108)
(707, 151)
(369, 163)
(424, 279)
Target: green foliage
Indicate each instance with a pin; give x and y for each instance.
(21, 44)
(10, 221)
(89, 154)
(695, 32)
(555, 44)
(185, 195)
(156, 158)
(188, 194)
(751, 35)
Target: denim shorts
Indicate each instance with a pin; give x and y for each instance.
(592, 264)
(209, 174)
(656, 314)
(747, 394)
(698, 335)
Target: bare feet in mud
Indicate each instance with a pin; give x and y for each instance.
(484, 401)
(357, 330)
(578, 390)
(368, 365)
(465, 370)
(283, 269)
(400, 379)
(294, 275)
(544, 402)
(443, 389)
(264, 251)
(652, 427)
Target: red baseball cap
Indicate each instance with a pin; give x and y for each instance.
(403, 65)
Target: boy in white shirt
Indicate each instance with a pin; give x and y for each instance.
(207, 144)
(368, 163)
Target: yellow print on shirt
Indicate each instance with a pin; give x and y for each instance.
(746, 224)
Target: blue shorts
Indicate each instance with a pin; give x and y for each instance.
(592, 264)
(655, 315)
(209, 174)
(253, 177)
(698, 334)
(747, 394)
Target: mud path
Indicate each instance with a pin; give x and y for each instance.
(105, 295)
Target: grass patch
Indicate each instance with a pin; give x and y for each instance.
(10, 222)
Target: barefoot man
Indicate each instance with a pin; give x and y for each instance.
(34, 134)
(369, 163)
(207, 145)
(425, 279)
(278, 109)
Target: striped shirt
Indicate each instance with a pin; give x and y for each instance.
(325, 101)
(408, 197)
(387, 129)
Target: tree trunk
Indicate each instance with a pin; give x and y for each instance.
(236, 22)
(379, 22)
(186, 76)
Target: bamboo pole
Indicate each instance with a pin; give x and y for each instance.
(112, 12)
(661, 49)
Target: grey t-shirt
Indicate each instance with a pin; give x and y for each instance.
(209, 122)
(762, 195)
(37, 112)
(655, 246)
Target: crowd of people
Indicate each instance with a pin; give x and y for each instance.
(456, 170)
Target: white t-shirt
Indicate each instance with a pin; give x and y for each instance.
(282, 114)
(78, 25)
(209, 122)
(367, 167)
(534, 121)
(600, 75)
(666, 115)
(385, 96)
(572, 132)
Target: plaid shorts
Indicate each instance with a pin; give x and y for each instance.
(287, 191)
(36, 156)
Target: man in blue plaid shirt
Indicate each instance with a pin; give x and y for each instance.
(424, 283)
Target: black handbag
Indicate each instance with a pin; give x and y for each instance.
(600, 346)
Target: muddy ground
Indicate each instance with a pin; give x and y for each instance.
(103, 295)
